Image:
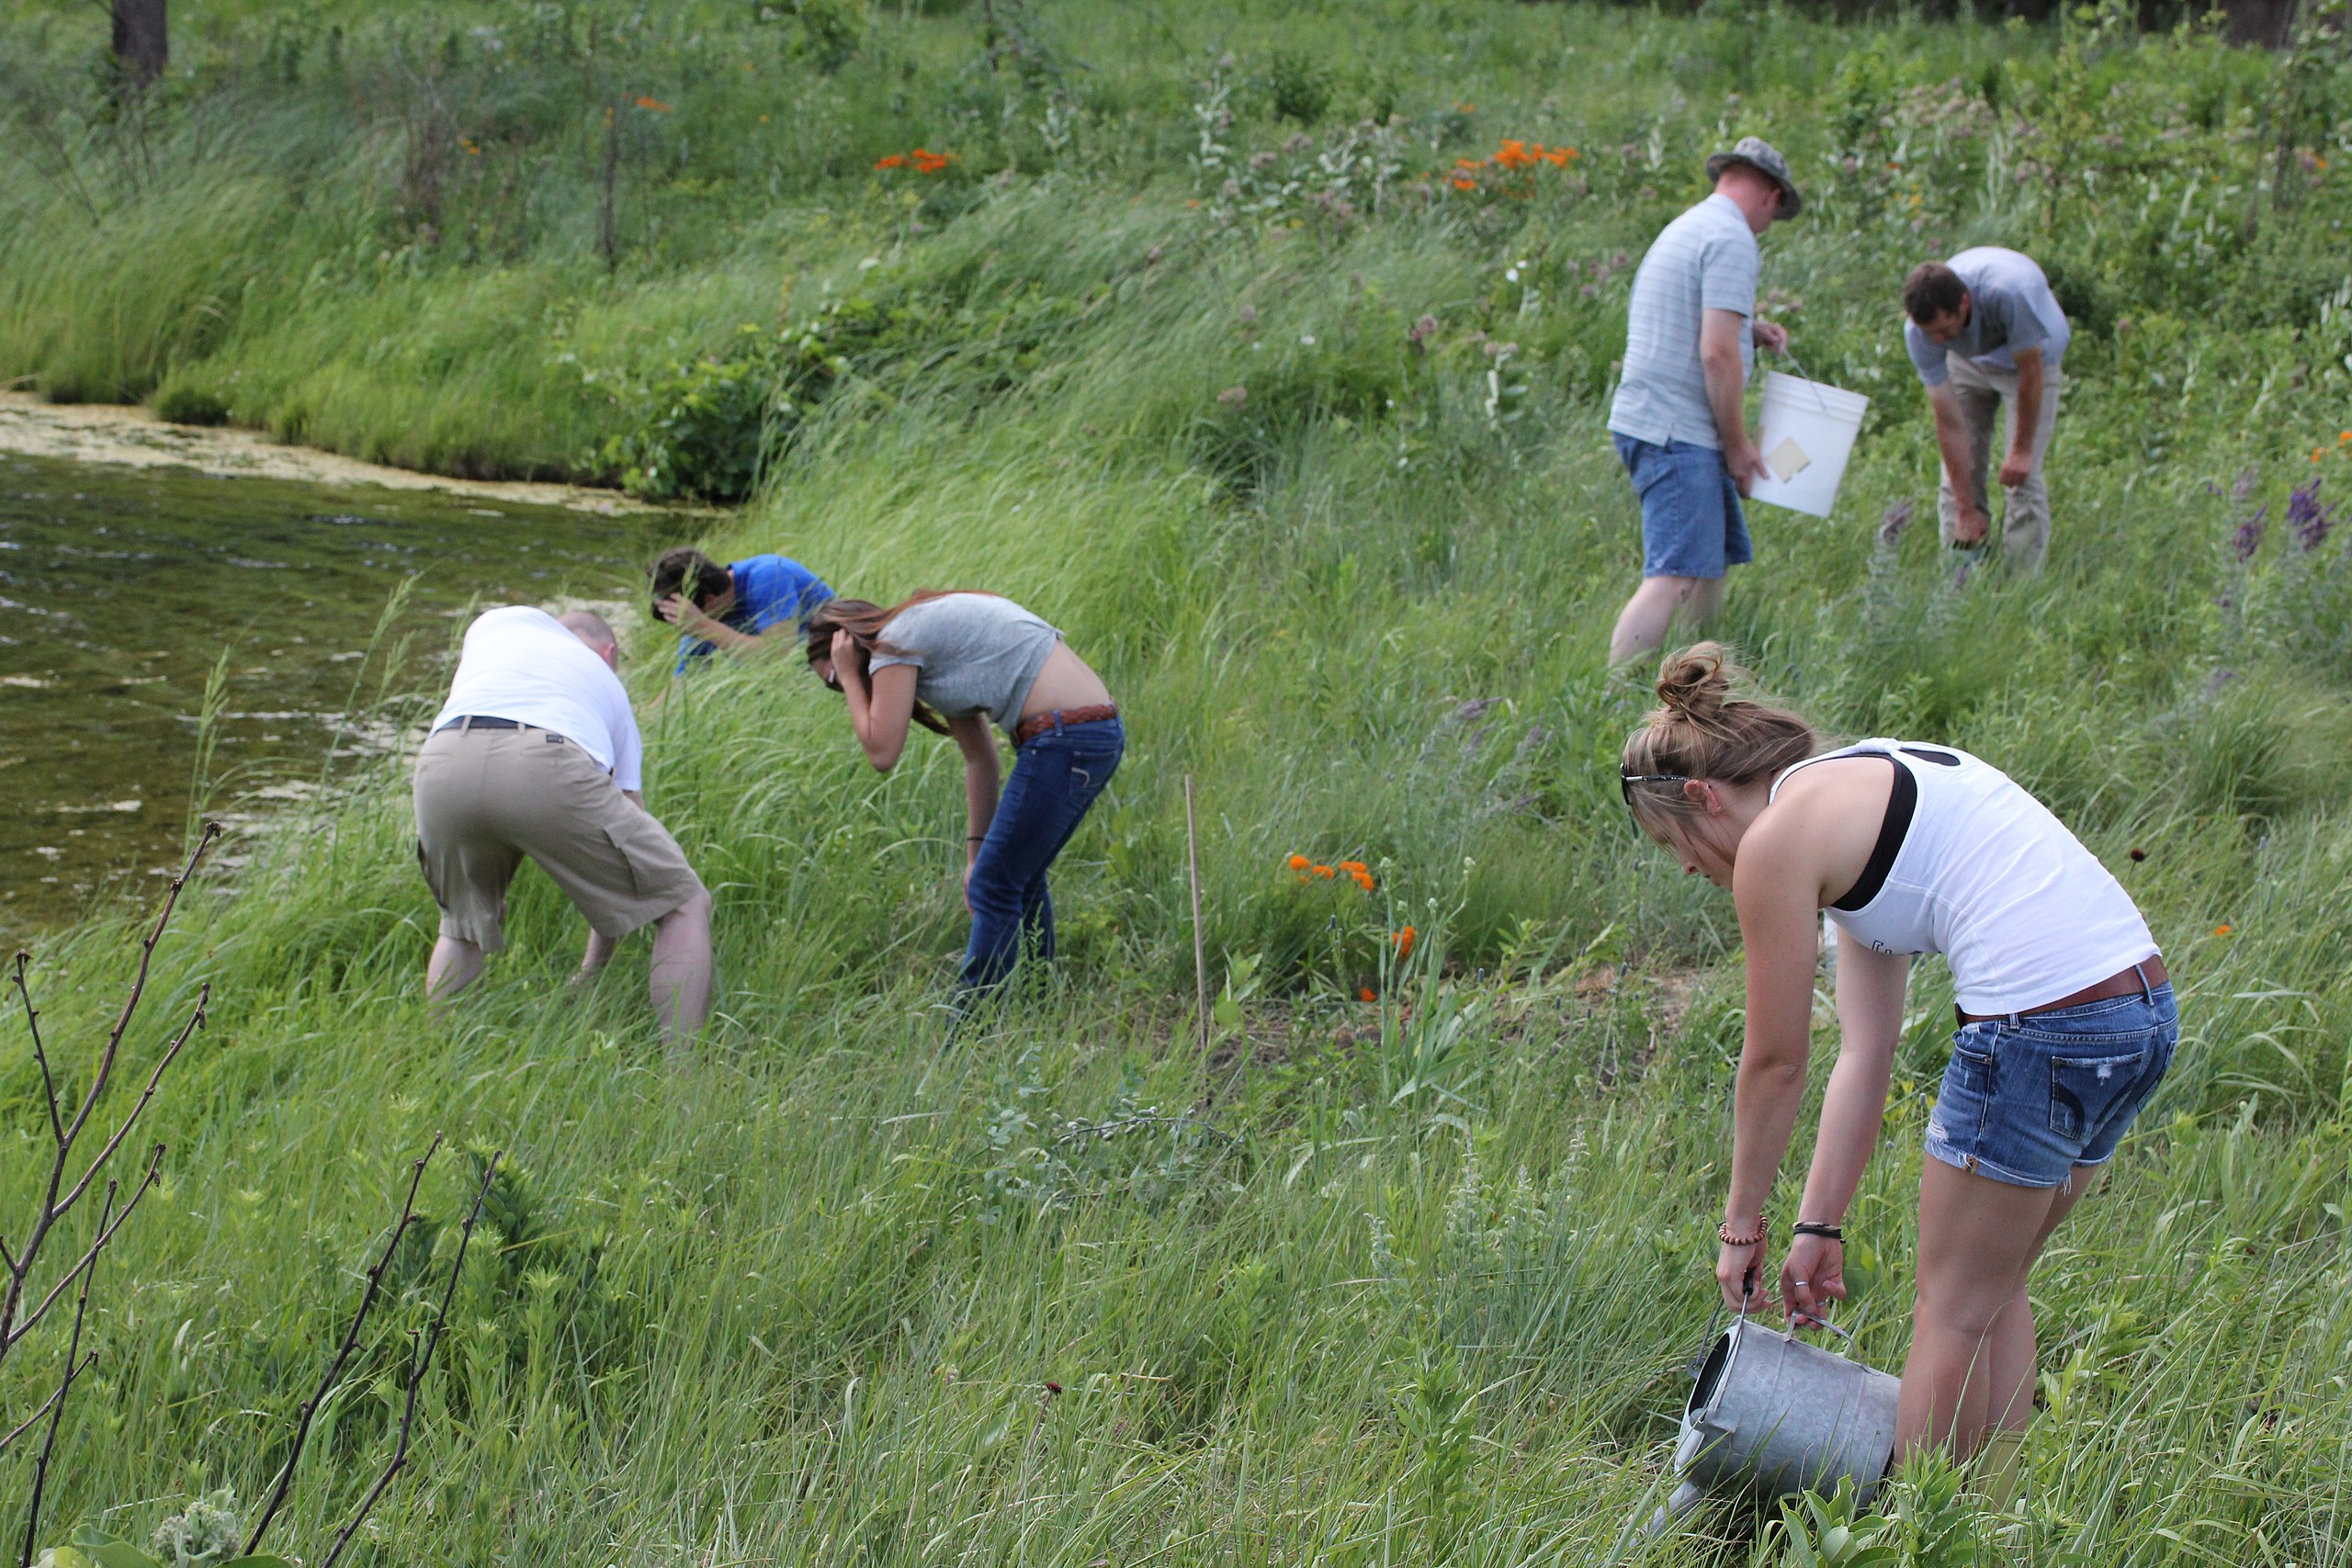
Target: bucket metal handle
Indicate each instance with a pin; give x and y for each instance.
(1807, 377)
(1839, 1330)
(1716, 1327)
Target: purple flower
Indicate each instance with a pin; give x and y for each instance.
(1896, 519)
(2311, 521)
(2248, 537)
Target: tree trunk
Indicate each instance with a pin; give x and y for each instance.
(141, 44)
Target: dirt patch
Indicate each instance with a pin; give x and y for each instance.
(132, 437)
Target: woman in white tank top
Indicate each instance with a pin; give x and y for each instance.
(2066, 1020)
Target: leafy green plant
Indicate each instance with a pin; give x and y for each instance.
(1836, 1532)
(1298, 86)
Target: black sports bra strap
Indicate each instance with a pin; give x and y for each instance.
(1901, 803)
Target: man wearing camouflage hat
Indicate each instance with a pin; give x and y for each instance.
(1681, 431)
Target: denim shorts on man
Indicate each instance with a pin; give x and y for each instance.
(1691, 522)
(2028, 1098)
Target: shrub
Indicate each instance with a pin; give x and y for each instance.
(1298, 87)
(184, 404)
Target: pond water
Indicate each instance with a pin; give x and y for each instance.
(123, 590)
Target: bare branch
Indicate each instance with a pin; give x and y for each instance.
(32, 1023)
(350, 1342)
(48, 1211)
(57, 1406)
(29, 1422)
(419, 1361)
(139, 983)
(154, 1174)
(154, 1079)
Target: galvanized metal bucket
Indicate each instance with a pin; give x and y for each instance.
(1771, 1415)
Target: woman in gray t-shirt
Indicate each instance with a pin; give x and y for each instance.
(955, 663)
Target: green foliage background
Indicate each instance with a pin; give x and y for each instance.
(1198, 351)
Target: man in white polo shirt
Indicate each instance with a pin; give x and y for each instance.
(1678, 420)
(537, 753)
(1987, 335)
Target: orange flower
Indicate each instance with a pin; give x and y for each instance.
(1298, 862)
(895, 161)
(1352, 866)
(2223, 929)
(1469, 163)
(1514, 155)
(1322, 871)
(656, 104)
(1404, 940)
(1462, 184)
(1558, 156)
(1366, 994)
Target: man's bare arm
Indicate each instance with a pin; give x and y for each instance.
(1726, 374)
(1951, 440)
(2019, 465)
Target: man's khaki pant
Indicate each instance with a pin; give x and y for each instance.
(1987, 396)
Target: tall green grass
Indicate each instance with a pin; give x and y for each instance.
(1370, 1283)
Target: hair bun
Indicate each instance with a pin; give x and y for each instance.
(1695, 681)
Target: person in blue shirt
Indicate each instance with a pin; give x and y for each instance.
(733, 606)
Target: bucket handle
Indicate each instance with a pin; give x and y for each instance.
(1807, 376)
(1716, 1327)
(1839, 1330)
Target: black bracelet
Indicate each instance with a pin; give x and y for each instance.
(1814, 1227)
(975, 837)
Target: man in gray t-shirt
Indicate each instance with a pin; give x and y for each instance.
(1678, 419)
(1987, 335)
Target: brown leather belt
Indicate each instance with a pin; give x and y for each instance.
(1094, 712)
(2122, 983)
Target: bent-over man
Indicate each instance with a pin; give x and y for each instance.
(1679, 419)
(537, 753)
(733, 606)
(1987, 335)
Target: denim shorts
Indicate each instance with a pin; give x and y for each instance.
(2028, 1098)
(1692, 521)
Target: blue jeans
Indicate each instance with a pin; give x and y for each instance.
(1691, 522)
(1055, 778)
(2027, 1098)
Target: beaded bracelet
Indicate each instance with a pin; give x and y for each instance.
(1723, 1233)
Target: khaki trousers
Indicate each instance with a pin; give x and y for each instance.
(1988, 396)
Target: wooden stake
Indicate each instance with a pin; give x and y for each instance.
(1200, 946)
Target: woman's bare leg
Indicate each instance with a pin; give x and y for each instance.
(2015, 1354)
(1978, 1238)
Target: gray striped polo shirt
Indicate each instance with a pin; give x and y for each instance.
(1704, 260)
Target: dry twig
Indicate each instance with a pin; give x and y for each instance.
(422, 1343)
(343, 1353)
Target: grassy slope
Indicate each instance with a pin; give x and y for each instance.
(800, 1301)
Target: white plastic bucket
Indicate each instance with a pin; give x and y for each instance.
(1806, 434)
